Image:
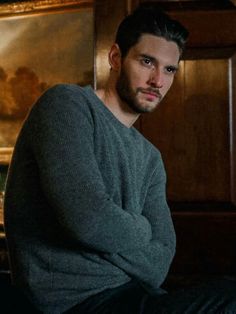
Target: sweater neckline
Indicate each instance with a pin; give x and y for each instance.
(90, 91)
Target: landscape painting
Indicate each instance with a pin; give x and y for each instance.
(38, 51)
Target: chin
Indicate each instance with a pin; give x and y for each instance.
(146, 107)
(139, 108)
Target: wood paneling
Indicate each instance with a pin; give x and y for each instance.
(232, 126)
(108, 15)
(205, 243)
(195, 4)
(191, 128)
(209, 28)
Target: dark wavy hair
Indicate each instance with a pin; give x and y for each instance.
(149, 19)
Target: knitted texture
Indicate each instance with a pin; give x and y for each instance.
(85, 204)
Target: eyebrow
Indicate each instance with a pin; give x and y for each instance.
(148, 57)
(153, 59)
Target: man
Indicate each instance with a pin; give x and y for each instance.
(86, 219)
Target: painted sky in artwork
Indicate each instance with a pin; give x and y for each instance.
(57, 47)
(36, 52)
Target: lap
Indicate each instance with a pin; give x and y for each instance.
(218, 297)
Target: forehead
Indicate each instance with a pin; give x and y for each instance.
(156, 47)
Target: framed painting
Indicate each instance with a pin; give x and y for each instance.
(42, 43)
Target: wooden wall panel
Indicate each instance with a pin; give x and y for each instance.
(205, 243)
(165, 128)
(207, 132)
(214, 28)
(232, 84)
(108, 15)
(191, 128)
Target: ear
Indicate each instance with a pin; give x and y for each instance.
(115, 57)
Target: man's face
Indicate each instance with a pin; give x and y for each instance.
(147, 72)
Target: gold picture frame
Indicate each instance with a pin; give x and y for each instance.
(43, 43)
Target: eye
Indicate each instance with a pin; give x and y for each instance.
(171, 69)
(147, 62)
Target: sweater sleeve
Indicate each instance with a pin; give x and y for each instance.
(150, 264)
(61, 134)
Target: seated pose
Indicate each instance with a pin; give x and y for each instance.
(86, 219)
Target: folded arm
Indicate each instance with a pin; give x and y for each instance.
(150, 264)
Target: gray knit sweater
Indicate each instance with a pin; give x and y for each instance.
(85, 206)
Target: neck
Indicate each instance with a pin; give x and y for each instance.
(119, 108)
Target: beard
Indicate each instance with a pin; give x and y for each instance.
(130, 97)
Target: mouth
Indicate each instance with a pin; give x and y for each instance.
(151, 95)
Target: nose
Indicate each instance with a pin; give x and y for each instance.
(156, 78)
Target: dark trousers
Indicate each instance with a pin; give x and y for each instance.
(214, 297)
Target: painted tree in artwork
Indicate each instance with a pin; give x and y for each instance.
(26, 88)
(7, 102)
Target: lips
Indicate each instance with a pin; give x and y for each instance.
(151, 94)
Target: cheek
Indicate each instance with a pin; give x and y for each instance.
(136, 80)
(136, 76)
(141, 77)
(168, 83)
